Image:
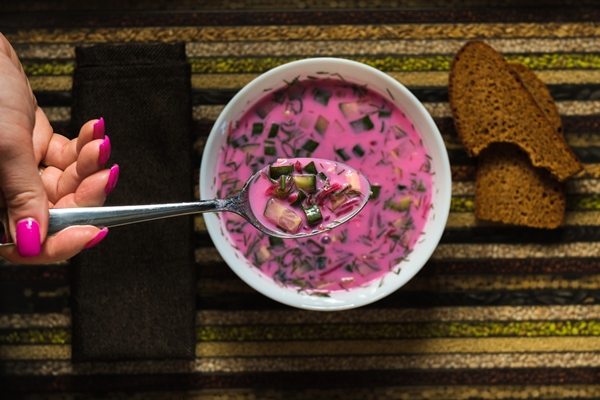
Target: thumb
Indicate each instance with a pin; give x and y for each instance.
(23, 192)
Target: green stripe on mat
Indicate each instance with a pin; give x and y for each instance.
(585, 202)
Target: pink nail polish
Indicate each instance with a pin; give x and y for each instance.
(104, 151)
(101, 235)
(98, 129)
(28, 238)
(113, 177)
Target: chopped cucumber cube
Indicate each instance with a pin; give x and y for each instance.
(257, 128)
(300, 197)
(321, 125)
(308, 183)
(282, 216)
(273, 131)
(343, 155)
(276, 171)
(310, 145)
(351, 109)
(358, 150)
(362, 125)
(270, 151)
(263, 254)
(313, 214)
(275, 241)
(399, 205)
(310, 168)
(375, 190)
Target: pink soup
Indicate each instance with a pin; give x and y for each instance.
(340, 121)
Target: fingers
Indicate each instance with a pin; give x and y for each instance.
(90, 160)
(61, 152)
(62, 246)
(92, 191)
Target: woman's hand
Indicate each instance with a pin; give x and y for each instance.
(40, 170)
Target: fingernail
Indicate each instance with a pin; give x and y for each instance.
(4, 238)
(101, 235)
(98, 129)
(28, 238)
(104, 151)
(113, 177)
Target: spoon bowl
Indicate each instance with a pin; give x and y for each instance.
(241, 204)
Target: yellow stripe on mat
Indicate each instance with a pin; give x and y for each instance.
(350, 347)
(307, 33)
(328, 48)
(389, 347)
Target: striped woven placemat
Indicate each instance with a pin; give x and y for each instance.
(496, 313)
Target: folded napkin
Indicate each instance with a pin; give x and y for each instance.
(133, 296)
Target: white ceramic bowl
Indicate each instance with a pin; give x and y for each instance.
(380, 82)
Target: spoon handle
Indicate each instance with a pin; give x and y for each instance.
(61, 218)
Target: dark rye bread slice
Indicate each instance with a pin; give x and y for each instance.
(509, 188)
(512, 191)
(490, 104)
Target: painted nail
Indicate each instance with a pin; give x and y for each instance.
(113, 177)
(104, 151)
(4, 238)
(101, 235)
(98, 129)
(28, 238)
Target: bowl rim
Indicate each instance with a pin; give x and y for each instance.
(416, 112)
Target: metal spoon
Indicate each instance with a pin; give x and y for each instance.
(61, 218)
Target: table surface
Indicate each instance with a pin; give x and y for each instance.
(498, 312)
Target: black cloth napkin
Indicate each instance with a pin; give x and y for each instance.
(133, 294)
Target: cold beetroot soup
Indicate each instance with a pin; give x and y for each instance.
(330, 118)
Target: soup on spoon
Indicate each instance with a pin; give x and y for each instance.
(291, 198)
(307, 196)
